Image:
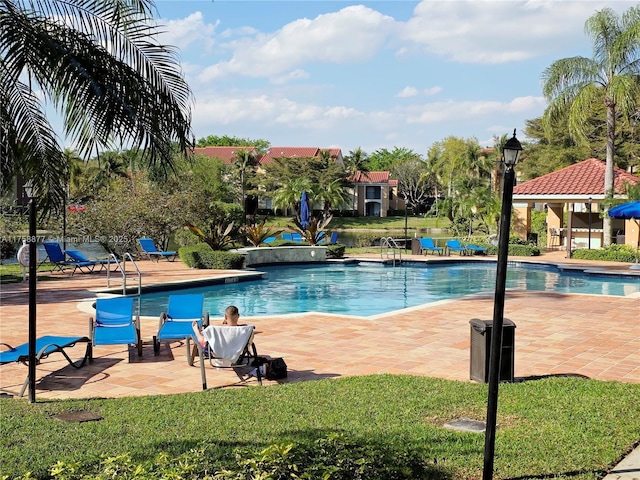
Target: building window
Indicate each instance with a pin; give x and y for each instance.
(373, 193)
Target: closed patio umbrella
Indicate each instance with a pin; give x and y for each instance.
(628, 211)
(305, 211)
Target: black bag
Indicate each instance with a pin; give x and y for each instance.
(275, 369)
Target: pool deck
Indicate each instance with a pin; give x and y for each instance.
(556, 334)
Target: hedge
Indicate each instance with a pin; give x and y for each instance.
(615, 253)
(202, 256)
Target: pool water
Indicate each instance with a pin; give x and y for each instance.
(367, 289)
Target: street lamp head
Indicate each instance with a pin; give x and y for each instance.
(511, 150)
(28, 188)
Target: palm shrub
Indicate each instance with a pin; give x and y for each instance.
(217, 236)
(315, 230)
(257, 233)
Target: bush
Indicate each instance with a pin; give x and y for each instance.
(615, 253)
(335, 251)
(7, 249)
(331, 457)
(202, 256)
(524, 250)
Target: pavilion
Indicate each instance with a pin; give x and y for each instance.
(572, 198)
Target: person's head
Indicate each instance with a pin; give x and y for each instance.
(231, 315)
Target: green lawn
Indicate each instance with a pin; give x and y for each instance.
(554, 427)
(12, 273)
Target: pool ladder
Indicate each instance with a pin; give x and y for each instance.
(389, 247)
(121, 266)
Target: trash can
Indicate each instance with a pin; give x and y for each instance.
(415, 246)
(481, 333)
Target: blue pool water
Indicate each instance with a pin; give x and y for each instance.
(368, 289)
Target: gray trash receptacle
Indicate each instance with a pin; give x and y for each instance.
(415, 246)
(481, 332)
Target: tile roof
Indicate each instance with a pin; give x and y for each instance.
(290, 152)
(582, 178)
(226, 154)
(371, 177)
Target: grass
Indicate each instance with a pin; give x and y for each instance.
(553, 427)
(12, 273)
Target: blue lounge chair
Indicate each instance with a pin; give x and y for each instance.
(175, 323)
(296, 237)
(332, 240)
(56, 256)
(269, 240)
(115, 324)
(45, 346)
(455, 246)
(149, 249)
(78, 256)
(473, 249)
(287, 236)
(428, 245)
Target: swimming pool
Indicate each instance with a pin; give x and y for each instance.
(367, 289)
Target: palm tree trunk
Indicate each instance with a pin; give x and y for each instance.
(607, 229)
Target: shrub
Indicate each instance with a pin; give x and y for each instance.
(524, 250)
(335, 251)
(331, 457)
(202, 256)
(615, 253)
(256, 233)
(7, 249)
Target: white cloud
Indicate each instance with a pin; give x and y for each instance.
(185, 32)
(493, 32)
(352, 34)
(432, 91)
(407, 92)
(452, 110)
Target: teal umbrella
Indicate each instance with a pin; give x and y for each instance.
(628, 211)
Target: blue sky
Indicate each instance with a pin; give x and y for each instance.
(375, 74)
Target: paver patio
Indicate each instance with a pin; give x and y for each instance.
(593, 336)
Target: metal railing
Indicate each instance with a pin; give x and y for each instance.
(388, 248)
(121, 266)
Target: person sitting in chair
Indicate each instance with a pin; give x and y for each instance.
(231, 316)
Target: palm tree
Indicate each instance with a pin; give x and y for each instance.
(288, 194)
(356, 161)
(612, 76)
(243, 160)
(99, 64)
(331, 195)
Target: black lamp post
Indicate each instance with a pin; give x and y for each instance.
(590, 200)
(511, 151)
(33, 267)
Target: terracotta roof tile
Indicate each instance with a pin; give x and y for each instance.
(226, 154)
(582, 178)
(290, 152)
(371, 177)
